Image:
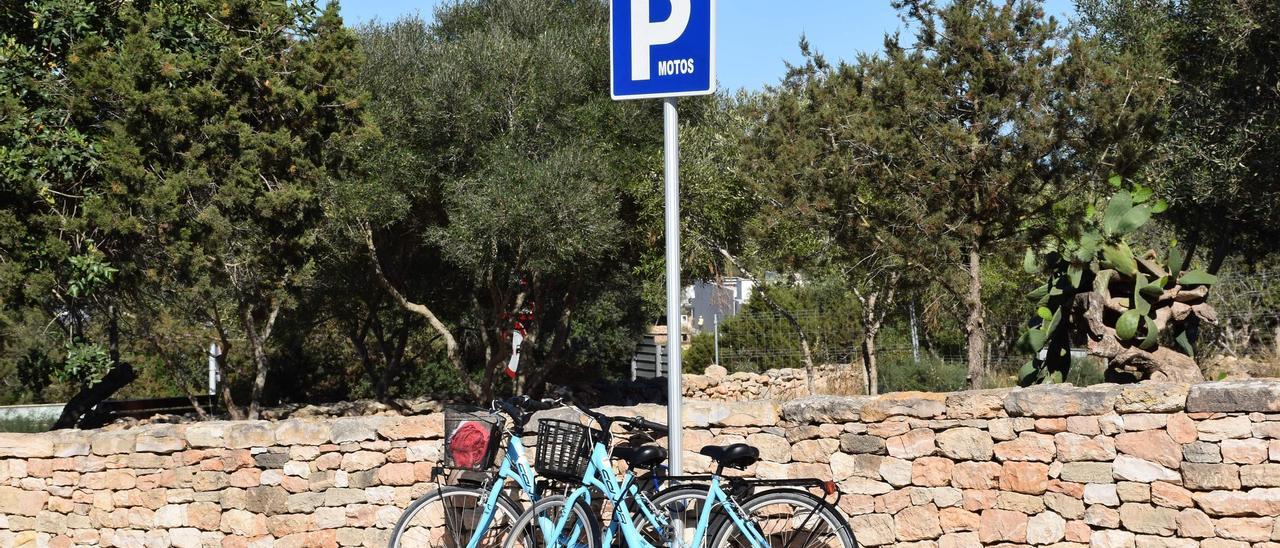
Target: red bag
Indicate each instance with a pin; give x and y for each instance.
(469, 444)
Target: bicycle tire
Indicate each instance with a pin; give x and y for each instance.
(805, 507)
(524, 533)
(667, 499)
(403, 534)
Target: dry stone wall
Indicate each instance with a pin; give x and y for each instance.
(717, 384)
(1141, 466)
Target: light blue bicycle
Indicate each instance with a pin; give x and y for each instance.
(727, 512)
(476, 513)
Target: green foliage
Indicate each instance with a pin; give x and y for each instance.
(1221, 123)
(899, 373)
(1141, 293)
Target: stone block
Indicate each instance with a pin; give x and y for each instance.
(923, 405)
(1087, 472)
(1025, 477)
(1152, 397)
(824, 409)
(1046, 528)
(1244, 396)
(1130, 468)
(1061, 401)
(1264, 501)
(1075, 447)
(249, 434)
(874, 529)
(915, 443)
(966, 444)
(861, 443)
(1207, 477)
(1151, 445)
(1003, 526)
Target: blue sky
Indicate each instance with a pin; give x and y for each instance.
(756, 37)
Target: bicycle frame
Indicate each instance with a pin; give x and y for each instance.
(515, 467)
(599, 474)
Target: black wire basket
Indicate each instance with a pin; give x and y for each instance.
(564, 449)
(471, 438)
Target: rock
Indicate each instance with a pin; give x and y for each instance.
(1223, 429)
(1260, 475)
(1208, 477)
(1142, 518)
(1193, 523)
(1153, 445)
(976, 404)
(1018, 502)
(1256, 502)
(917, 523)
(896, 471)
(1046, 528)
(246, 434)
(978, 475)
(1087, 472)
(349, 429)
(715, 372)
(1152, 397)
(1202, 452)
(817, 450)
(302, 432)
(873, 529)
(26, 446)
(931, 471)
(1028, 446)
(910, 404)
(1003, 526)
(1075, 447)
(1130, 468)
(1061, 401)
(1025, 477)
(966, 444)
(824, 409)
(913, 444)
(1248, 396)
(113, 443)
(1111, 539)
(1169, 495)
(1252, 530)
(861, 443)
(1066, 506)
(772, 448)
(1249, 451)
(958, 519)
(1101, 493)
(1181, 428)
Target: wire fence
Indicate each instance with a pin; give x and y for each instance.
(1247, 326)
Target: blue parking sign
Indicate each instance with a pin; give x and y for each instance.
(662, 48)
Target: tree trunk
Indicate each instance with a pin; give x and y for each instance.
(224, 347)
(1275, 340)
(77, 410)
(452, 350)
(974, 326)
(869, 361)
(258, 345)
(806, 354)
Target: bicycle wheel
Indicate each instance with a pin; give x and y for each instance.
(788, 519)
(450, 517)
(534, 528)
(683, 503)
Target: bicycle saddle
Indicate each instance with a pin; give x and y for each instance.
(646, 456)
(738, 455)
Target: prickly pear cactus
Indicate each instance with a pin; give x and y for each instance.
(1139, 312)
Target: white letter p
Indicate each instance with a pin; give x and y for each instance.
(645, 34)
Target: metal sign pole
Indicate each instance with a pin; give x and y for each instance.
(671, 158)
